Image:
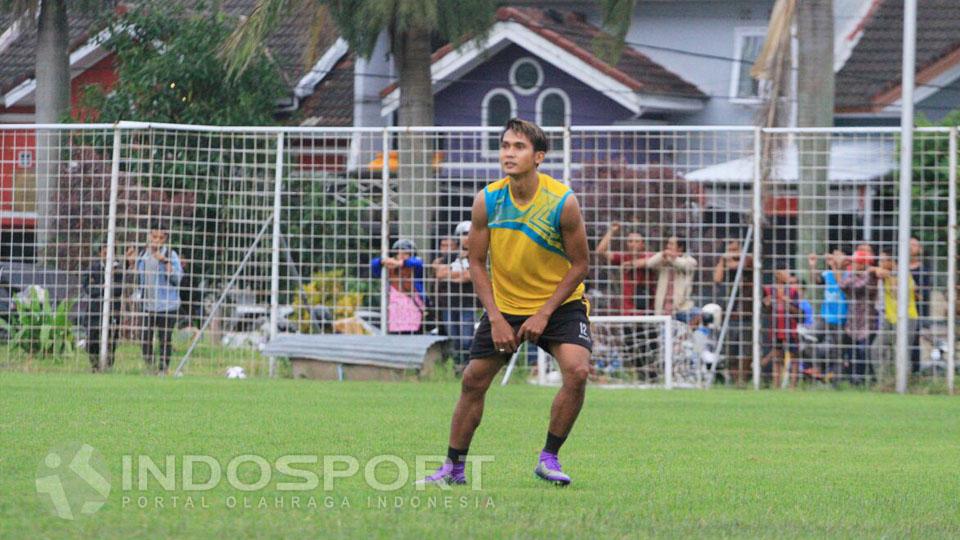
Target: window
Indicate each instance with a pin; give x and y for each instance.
(746, 49)
(498, 107)
(526, 76)
(553, 110)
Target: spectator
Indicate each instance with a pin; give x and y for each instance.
(92, 283)
(885, 342)
(781, 305)
(737, 339)
(636, 280)
(921, 273)
(859, 283)
(674, 279)
(455, 298)
(833, 309)
(159, 274)
(407, 301)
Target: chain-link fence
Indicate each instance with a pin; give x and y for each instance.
(775, 248)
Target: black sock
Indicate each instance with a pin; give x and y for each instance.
(553, 443)
(457, 456)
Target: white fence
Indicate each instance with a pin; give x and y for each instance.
(291, 230)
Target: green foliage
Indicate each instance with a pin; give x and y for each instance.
(169, 72)
(208, 185)
(40, 329)
(330, 290)
(326, 221)
(931, 171)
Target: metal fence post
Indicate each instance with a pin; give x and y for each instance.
(952, 260)
(275, 250)
(906, 205)
(567, 155)
(757, 254)
(111, 258)
(385, 232)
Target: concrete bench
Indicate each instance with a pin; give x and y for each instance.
(359, 357)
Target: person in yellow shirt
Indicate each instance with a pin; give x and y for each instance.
(530, 226)
(885, 342)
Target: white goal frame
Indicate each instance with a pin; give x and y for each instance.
(666, 324)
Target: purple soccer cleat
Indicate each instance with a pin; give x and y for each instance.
(548, 468)
(448, 474)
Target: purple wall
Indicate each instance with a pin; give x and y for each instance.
(460, 103)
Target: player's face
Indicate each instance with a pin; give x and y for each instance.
(516, 154)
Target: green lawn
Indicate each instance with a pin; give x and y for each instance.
(645, 463)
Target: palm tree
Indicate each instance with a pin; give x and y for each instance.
(411, 26)
(52, 73)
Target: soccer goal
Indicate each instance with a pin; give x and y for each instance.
(645, 351)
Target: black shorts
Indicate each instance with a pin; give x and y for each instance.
(568, 324)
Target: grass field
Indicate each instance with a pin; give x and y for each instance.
(645, 463)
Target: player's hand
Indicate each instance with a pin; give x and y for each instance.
(504, 340)
(812, 259)
(532, 328)
(615, 226)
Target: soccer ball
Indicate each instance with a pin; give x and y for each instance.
(236, 372)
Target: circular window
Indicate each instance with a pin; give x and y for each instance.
(526, 76)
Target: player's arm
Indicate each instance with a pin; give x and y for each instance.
(479, 243)
(575, 246)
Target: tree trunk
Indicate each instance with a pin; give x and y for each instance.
(52, 104)
(417, 185)
(815, 95)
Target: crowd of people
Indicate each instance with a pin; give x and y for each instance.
(851, 335)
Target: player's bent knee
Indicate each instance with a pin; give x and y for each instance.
(578, 375)
(475, 381)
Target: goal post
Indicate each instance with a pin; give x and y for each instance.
(643, 351)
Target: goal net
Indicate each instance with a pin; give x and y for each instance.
(642, 351)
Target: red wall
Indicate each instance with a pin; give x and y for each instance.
(18, 153)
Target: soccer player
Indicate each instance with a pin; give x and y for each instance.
(531, 226)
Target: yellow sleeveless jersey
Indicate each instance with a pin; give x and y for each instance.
(527, 260)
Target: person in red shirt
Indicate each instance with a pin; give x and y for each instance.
(636, 278)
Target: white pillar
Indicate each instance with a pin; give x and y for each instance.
(275, 250)
(757, 253)
(385, 231)
(906, 177)
(111, 246)
(952, 261)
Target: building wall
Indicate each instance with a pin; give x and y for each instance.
(702, 36)
(940, 104)
(460, 104)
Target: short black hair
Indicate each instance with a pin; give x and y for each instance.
(532, 131)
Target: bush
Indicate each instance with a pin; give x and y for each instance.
(38, 328)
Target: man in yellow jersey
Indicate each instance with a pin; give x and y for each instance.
(530, 225)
